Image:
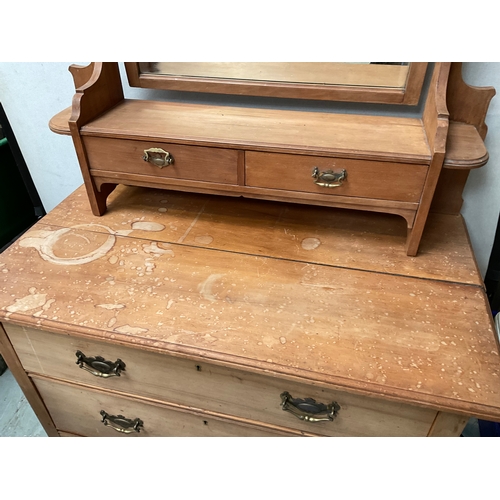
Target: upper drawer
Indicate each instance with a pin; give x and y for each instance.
(189, 162)
(364, 179)
(210, 387)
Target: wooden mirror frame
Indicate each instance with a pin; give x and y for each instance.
(409, 95)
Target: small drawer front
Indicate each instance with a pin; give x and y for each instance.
(335, 176)
(184, 162)
(92, 413)
(241, 394)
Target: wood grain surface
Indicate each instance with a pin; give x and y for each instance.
(190, 162)
(366, 136)
(364, 179)
(197, 384)
(334, 237)
(178, 275)
(76, 409)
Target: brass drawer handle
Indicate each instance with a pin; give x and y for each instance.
(122, 424)
(158, 157)
(98, 366)
(329, 178)
(307, 409)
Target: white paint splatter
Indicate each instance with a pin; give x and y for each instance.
(47, 304)
(205, 288)
(270, 341)
(150, 265)
(148, 226)
(32, 301)
(209, 338)
(111, 306)
(44, 241)
(204, 239)
(156, 251)
(310, 243)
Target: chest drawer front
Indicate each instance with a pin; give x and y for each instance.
(189, 162)
(78, 410)
(214, 388)
(362, 178)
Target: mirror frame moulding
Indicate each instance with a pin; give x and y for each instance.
(409, 95)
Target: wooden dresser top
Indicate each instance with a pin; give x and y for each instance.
(351, 136)
(322, 295)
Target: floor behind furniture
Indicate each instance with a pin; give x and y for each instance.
(17, 419)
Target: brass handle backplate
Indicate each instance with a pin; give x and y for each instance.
(121, 424)
(329, 178)
(307, 409)
(158, 157)
(98, 366)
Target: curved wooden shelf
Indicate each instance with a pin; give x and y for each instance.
(464, 148)
(59, 123)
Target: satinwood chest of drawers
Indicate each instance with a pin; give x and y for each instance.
(180, 314)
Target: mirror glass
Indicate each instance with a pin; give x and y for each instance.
(370, 74)
(368, 82)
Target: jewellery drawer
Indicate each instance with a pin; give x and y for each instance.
(162, 160)
(94, 413)
(335, 176)
(252, 396)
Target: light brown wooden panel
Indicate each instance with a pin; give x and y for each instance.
(365, 179)
(409, 339)
(448, 425)
(25, 383)
(76, 409)
(347, 238)
(214, 388)
(436, 123)
(464, 147)
(196, 163)
(59, 122)
(357, 136)
(467, 103)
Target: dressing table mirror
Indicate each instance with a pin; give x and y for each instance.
(388, 163)
(392, 83)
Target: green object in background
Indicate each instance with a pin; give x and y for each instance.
(16, 208)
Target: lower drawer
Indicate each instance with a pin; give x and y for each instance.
(78, 410)
(246, 395)
(194, 163)
(363, 178)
